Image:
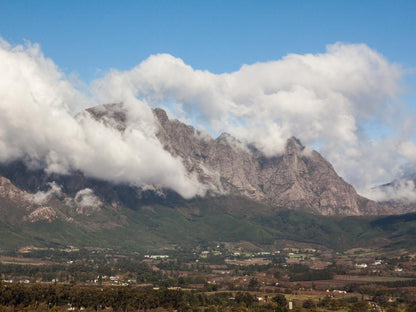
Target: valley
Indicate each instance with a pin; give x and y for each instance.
(224, 277)
(267, 233)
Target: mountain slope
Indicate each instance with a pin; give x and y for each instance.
(206, 221)
(251, 197)
(298, 179)
(153, 223)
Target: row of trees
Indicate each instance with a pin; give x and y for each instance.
(38, 297)
(21, 295)
(82, 272)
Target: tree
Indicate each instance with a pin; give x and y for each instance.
(393, 309)
(245, 298)
(280, 300)
(253, 284)
(308, 304)
(360, 306)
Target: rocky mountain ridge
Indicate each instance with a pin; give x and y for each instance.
(298, 179)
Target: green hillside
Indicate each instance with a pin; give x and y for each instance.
(205, 221)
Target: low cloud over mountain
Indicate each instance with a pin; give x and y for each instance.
(38, 124)
(330, 101)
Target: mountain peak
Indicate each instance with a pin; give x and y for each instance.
(113, 115)
(161, 115)
(294, 180)
(294, 143)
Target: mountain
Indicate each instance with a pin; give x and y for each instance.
(399, 194)
(294, 196)
(184, 225)
(298, 179)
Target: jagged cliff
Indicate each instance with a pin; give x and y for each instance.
(297, 179)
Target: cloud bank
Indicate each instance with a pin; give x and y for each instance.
(41, 197)
(37, 124)
(328, 100)
(401, 190)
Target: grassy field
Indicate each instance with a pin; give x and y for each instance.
(370, 279)
(24, 261)
(340, 281)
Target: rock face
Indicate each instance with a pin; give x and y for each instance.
(22, 204)
(41, 214)
(298, 179)
(10, 192)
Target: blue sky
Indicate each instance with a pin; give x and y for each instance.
(88, 37)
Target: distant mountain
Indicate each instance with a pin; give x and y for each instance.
(399, 194)
(297, 179)
(251, 197)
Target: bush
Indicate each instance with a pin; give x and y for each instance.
(280, 300)
(308, 304)
(360, 306)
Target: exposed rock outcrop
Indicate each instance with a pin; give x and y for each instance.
(297, 179)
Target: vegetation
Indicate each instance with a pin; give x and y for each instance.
(299, 272)
(67, 297)
(205, 221)
(222, 254)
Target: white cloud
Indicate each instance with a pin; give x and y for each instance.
(43, 197)
(36, 123)
(403, 190)
(85, 202)
(316, 97)
(86, 198)
(324, 99)
(408, 150)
